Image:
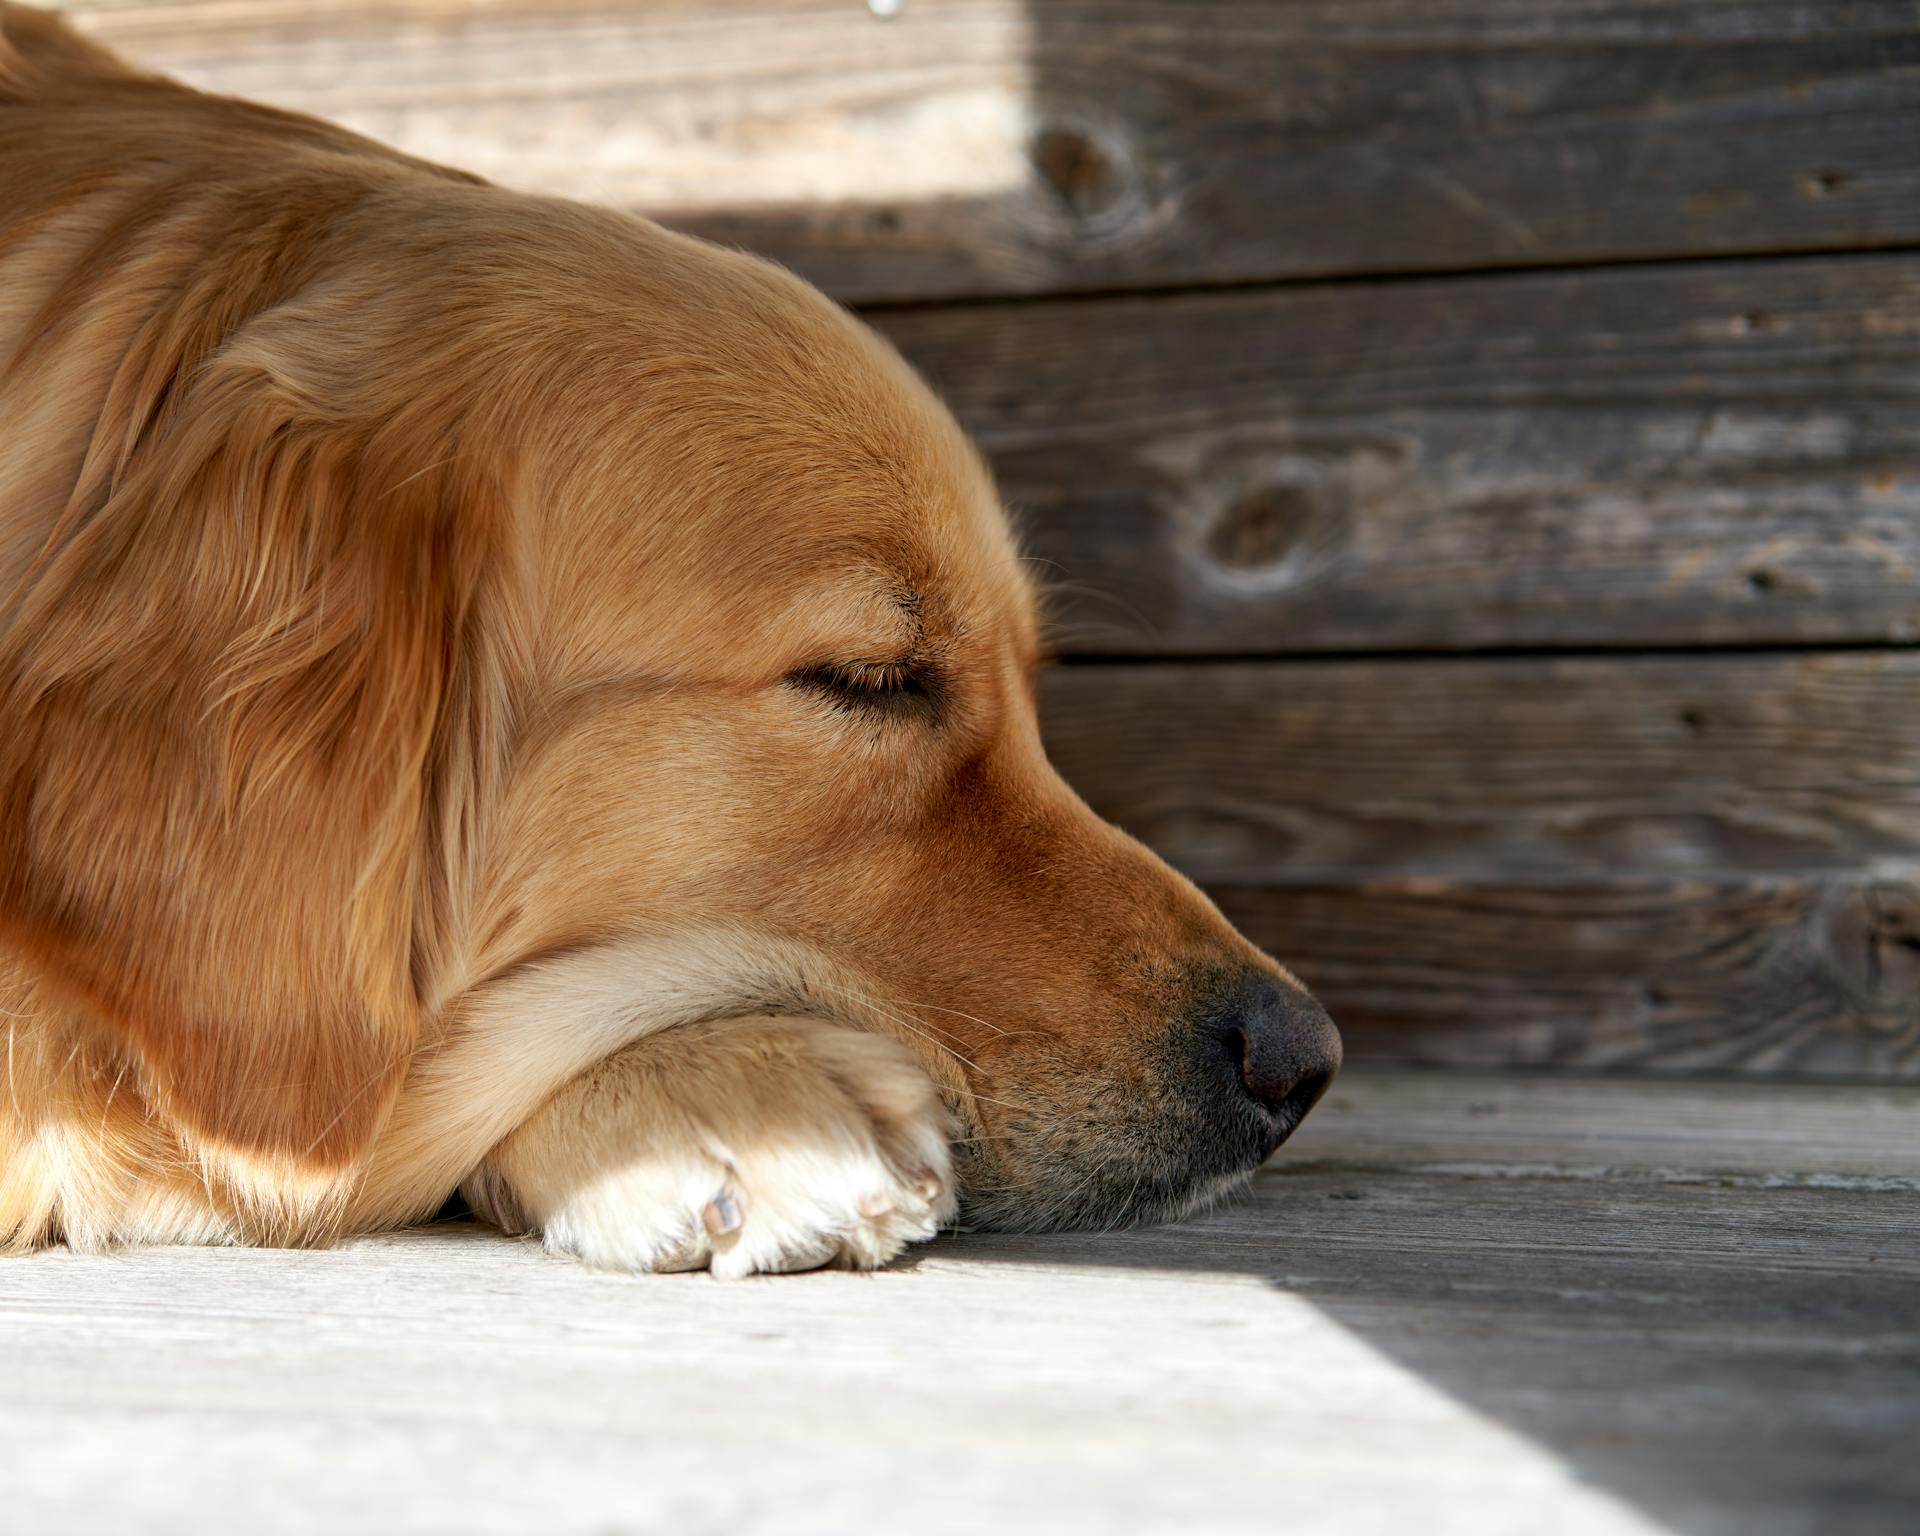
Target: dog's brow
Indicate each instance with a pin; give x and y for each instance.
(902, 601)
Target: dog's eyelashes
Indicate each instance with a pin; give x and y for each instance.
(876, 687)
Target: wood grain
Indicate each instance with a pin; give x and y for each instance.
(1512, 769)
(992, 146)
(1696, 455)
(1669, 863)
(1762, 978)
(1699, 455)
(1465, 1305)
(1673, 1131)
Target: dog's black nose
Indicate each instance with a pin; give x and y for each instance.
(1284, 1047)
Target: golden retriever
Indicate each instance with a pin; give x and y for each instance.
(498, 696)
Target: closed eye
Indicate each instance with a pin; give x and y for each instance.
(895, 687)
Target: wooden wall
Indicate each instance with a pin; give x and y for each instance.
(1477, 441)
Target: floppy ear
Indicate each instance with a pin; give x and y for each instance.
(35, 44)
(219, 692)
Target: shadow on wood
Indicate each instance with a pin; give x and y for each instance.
(1694, 1296)
(1459, 1304)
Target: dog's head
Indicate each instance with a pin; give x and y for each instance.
(529, 603)
(779, 694)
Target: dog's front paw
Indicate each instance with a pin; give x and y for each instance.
(749, 1146)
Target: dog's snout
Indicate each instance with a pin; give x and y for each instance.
(1284, 1048)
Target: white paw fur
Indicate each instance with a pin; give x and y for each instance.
(747, 1146)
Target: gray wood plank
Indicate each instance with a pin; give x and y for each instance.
(1695, 455)
(1668, 863)
(1503, 769)
(994, 146)
(1543, 1339)
(1786, 978)
(1698, 455)
(1558, 1126)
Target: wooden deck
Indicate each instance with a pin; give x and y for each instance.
(1457, 1303)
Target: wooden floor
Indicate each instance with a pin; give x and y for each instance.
(1454, 1304)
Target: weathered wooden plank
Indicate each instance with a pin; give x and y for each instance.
(1677, 1131)
(1671, 863)
(1545, 1339)
(1511, 770)
(1696, 455)
(996, 146)
(1761, 978)
(1675, 456)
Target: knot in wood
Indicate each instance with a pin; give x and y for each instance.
(1259, 528)
(1873, 944)
(1092, 178)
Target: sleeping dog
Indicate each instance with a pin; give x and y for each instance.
(498, 696)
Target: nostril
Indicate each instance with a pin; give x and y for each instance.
(1306, 1093)
(1237, 1046)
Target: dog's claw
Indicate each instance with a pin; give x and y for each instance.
(875, 1205)
(720, 1215)
(491, 1199)
(926, 1184)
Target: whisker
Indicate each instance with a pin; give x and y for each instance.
(905, 1024)
(1063, 622)
(972, 1093)
(961, 1013)
(1003, 1103)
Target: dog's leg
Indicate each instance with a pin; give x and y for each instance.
(744, 1146)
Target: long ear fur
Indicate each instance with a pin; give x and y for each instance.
(36, 46)
(220, 689)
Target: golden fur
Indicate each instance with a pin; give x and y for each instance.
(495, 691)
